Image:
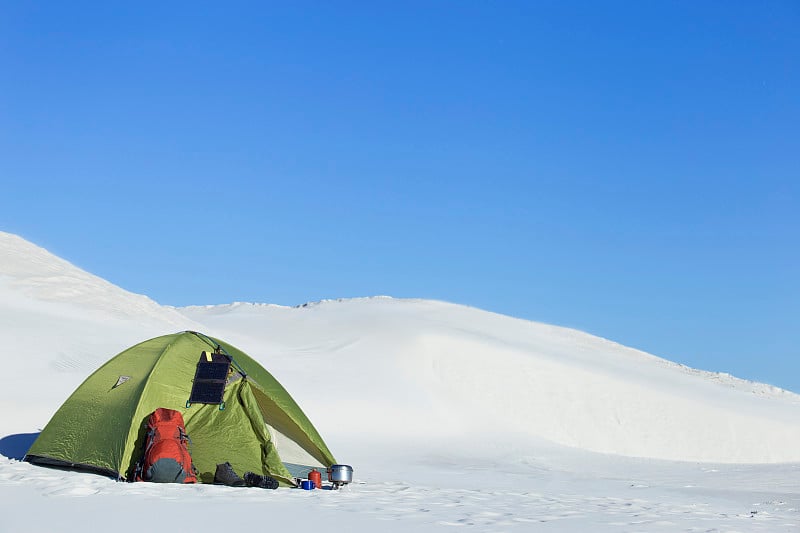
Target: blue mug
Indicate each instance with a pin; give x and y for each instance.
(307, 484)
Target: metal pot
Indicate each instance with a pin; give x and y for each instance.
(340, 474)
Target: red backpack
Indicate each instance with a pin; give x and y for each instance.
(166, 456)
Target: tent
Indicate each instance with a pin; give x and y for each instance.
(253, 423)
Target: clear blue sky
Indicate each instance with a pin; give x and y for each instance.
(631, 169)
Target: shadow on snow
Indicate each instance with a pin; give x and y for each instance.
(16, 446)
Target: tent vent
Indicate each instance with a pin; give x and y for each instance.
(120, 381)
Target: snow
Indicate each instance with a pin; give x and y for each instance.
(451, 417)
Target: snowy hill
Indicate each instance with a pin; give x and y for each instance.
(35, 274)
(451, 415)
(63, 323)
(430, 370)
(459, 370)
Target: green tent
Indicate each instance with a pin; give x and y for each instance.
(258, 427)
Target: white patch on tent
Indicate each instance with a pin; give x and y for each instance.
(120, 381)
(290, 451)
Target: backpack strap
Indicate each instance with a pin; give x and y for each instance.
(138, 471)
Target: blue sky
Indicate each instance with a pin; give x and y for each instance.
(630, 169)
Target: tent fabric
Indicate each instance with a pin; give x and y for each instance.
(101, 426)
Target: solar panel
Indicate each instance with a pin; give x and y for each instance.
(210, 379)
(212, 370)
(207, 392)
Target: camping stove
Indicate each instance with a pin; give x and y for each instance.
(340, 475)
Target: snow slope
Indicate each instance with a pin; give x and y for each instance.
(38, 275)
(451, 416)
(62, 323)
(463, 371)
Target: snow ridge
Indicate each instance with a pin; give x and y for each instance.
(40, 275)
